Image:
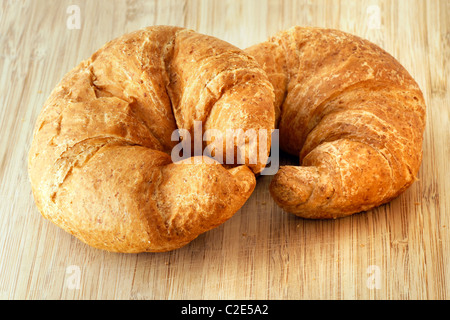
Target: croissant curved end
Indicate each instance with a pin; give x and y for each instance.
(292, 186)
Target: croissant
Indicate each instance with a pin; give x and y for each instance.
(100, 162)
(353, 115)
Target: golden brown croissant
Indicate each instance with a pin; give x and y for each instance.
(351, 112)
(100, 164)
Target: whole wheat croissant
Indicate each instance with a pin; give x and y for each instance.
(100, 164)
(351, 112)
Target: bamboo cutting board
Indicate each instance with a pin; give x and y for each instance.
(398, 251)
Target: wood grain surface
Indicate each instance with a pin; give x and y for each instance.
(398, 251)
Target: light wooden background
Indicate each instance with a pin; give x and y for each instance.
(398, 251)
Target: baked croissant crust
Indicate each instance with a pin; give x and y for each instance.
(353, 115)
(100, 164)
